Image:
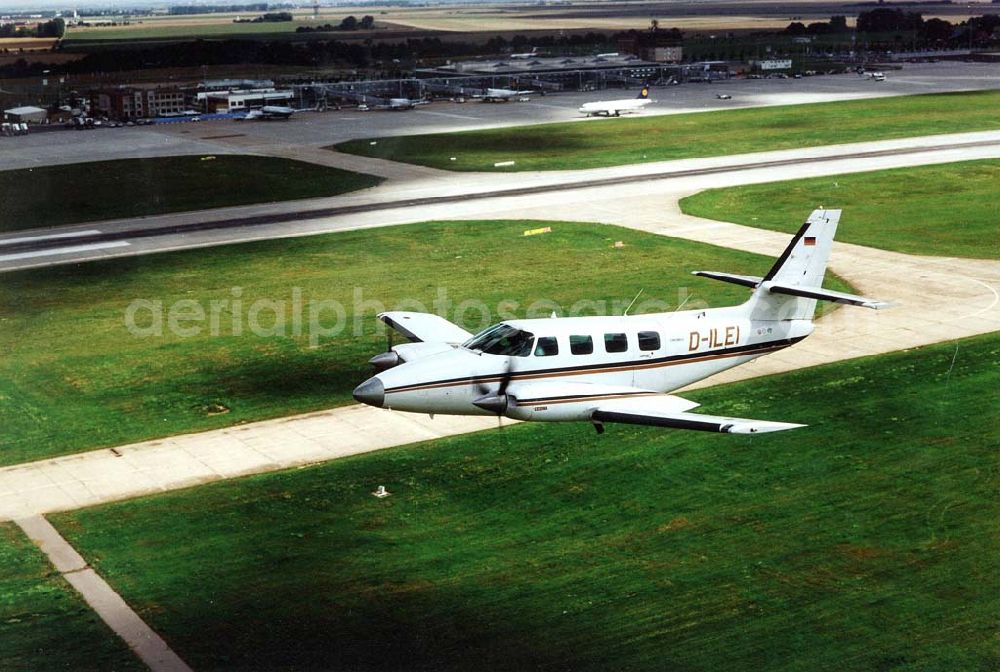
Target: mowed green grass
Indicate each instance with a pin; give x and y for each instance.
(44, 623)
(944, 210)
(616, 142)
(83, 192)
(73, 376)
(867, 541)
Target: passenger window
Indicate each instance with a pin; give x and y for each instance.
(546, 347)
(649, 340)
(615, 343)
(581, 345)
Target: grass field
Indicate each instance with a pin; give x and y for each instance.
(188, 30)
(642, 139)
(83, 192)
(944, 210)
(74, 377)
(868, 541)
(44, 623)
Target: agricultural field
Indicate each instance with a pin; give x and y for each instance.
(211, 25)
(948, 210)
(576, 145)
(18, 44)
(437, 19)
(867, 541)
(68, 194)
(76, 377)
(44, 623)
(152, 30)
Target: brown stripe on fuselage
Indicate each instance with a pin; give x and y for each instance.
(582, 397)
(630, 365)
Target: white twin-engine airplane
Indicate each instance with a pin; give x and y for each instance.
(608, 369)
(614, 108)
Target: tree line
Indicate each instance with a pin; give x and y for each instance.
(349, 23)
(270, 17)
(931, 32)
(54, 28)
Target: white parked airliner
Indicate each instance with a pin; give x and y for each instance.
(614, 108)
(501, 95)
(609, 369)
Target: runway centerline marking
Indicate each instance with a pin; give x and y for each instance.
(50, 236)
(63, 250)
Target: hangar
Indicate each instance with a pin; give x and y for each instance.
(26, 113)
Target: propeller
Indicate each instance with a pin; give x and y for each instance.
(497, 402)
(389, 358)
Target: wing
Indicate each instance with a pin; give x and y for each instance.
(424, 327)
(668, 411)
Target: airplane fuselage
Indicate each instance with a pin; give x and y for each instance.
(614, 107)
(610, 369)
(568, 356)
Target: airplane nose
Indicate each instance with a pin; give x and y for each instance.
(370, 392)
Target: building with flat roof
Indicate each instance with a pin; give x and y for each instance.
(240, 100)
(26, 113)
(552, 73)
(660, 46)
(134, 103)
(540, 65)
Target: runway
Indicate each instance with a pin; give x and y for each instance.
(432, 194)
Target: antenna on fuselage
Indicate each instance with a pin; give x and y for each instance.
(625, 314)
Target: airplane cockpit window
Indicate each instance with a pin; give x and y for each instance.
(502, 339)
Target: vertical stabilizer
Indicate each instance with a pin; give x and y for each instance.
(802, 264)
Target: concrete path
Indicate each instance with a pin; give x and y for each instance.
(391, 170)
(85, 479)
(112, 609)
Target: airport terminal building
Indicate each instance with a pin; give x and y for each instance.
(554, 73)
(129, 103)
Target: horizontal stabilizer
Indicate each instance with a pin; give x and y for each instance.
(826, 295)
(745, 280)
